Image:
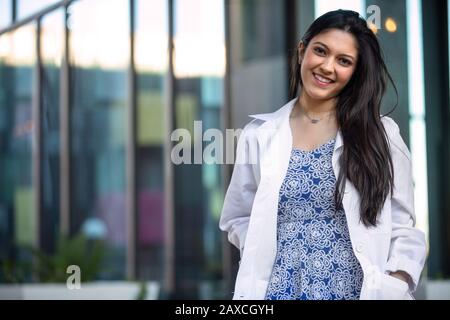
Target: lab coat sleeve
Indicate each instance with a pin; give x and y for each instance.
(241, 191)
(408, 249)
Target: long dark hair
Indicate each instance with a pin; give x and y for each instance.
(365, 161)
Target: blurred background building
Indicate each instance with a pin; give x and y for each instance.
(90, 91)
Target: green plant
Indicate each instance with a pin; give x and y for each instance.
(87, 254)
(15, 271)
(142, 294)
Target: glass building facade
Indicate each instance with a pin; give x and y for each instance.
(92, 90)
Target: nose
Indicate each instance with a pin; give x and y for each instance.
(327, 66)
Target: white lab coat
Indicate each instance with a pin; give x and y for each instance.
(249, 213)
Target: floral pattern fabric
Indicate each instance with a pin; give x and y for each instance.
(315, 259)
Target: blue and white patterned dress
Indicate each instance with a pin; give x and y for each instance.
(314, 260)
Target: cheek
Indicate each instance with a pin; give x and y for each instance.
(310, 61)
(306, 68)
(345, 75)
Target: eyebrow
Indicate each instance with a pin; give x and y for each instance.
(343, 54)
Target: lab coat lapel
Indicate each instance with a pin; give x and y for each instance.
(275, 141)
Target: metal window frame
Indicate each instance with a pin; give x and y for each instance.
(37, 135)
(131, 187)
(226, 122)
(36, 16)
(13, 10)
(64, 125)
(169, 201)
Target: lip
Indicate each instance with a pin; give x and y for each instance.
(321, 84)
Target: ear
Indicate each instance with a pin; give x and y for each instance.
(301, 51)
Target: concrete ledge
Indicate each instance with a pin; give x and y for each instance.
(89, 291)
(123, 290)
(437, 290)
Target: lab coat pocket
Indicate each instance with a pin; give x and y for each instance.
(393, 288)
(261, 289)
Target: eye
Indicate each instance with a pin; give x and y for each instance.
(345, 62)
(319, 50)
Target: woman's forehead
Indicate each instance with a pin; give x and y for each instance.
(338, 41)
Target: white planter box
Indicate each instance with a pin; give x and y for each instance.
(438, 290)
(124, 290)
(111, 290)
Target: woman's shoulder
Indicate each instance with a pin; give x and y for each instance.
(253, 124)
(249, 132)
(389, 124)
(393, 133)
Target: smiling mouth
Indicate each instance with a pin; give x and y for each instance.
(322, 79)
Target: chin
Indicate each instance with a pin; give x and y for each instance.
(319, 95)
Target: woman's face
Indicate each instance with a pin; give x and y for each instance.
(328, 63)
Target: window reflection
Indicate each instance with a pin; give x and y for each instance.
(99, 57)
(199, 71)
(52, 37)
(26, 8)
(17, 214)
(151, 42)
(323, 6)
(258, 33)
(5, 13)
(199, 38)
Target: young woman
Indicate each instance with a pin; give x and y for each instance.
(320, 202)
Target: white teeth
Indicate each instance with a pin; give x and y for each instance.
(322, 79)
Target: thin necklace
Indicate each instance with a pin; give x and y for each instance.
(314, 121)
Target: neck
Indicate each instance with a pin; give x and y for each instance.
(315, 108)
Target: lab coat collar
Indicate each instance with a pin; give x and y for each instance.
(279, 117)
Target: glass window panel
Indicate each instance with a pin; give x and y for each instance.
(323, 6)
(5, 13)
(18, 219)
(99, 57)
(199, 70)
(151, 56)
(52, 50)
(416, 90)
(257, 33)
(26, 8)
